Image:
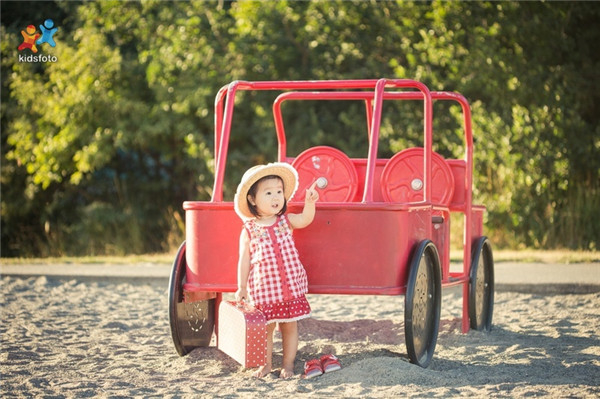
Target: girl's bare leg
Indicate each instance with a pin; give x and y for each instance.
(266, 369)
(289, 338)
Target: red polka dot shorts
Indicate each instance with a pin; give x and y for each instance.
(287, 311)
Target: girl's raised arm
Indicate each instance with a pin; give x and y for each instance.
(300, 220)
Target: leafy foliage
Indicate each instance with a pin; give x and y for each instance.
(100, 149)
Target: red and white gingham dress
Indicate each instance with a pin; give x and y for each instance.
(277, 282)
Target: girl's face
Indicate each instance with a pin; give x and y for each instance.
(269, 198)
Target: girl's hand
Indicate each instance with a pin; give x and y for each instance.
(240, 294)
(312, 195)
(301, 220)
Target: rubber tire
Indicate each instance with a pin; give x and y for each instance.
(481, 286)
(423, 304)
(192, 324)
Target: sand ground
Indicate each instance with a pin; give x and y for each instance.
(91, 336)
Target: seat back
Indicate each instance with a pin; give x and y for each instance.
(402, 178)
(334, 172)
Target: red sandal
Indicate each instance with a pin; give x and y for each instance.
(330, 363)
(312, 368)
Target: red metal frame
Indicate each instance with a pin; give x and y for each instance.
(373, 266)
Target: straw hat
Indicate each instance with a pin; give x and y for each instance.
(285, 171)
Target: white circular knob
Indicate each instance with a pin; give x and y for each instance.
(322, 182)
(416, 184)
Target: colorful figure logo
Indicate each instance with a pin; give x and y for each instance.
(47, 32)
(31, 37)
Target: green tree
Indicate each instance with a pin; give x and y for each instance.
(125, 122)
(100, 148)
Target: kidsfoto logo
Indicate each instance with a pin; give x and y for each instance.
(32, 38)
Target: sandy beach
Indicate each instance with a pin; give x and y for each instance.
(81, 336)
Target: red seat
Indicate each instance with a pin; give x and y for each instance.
(402, 178)
(334, 172)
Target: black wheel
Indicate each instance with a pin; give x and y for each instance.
(422, 304)
(191, 323)
(481, 286)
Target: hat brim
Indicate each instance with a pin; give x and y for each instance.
(285, 171)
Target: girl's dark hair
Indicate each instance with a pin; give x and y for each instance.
(252, 193)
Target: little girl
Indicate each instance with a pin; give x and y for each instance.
(270, 274)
